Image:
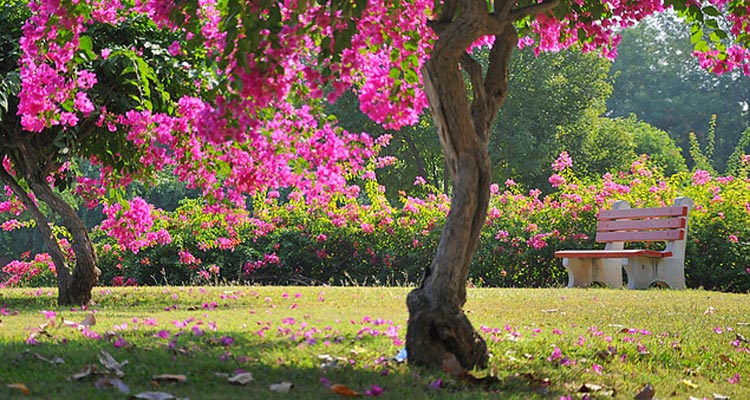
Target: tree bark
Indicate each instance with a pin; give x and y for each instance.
(34, 157)
(86, 274)
(438, 329)
(53, 247)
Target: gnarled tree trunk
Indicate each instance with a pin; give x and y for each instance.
(438, 327)
(86, 273)
(34, 157)
(58, 258)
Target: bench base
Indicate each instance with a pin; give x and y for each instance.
(643, 272)
(605, 267)
(583, 272)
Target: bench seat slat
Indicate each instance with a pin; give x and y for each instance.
(642, 236)
(641, 224)
(674, 211)
(612, 253)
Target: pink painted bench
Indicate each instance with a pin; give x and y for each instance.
(644, 267)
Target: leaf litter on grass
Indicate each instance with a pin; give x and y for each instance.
(599, 352)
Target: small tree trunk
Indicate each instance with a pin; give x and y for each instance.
(437, 324)
(58, 258)
(86, 273)
(438, 328)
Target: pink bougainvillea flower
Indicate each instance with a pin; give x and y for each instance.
(163, 334)
(597, 368)
(374, 391)
(226, 341)
(556, 354)
(174, 48)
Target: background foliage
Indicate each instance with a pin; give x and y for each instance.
(369, 242)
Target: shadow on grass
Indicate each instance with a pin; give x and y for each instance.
(47, 370)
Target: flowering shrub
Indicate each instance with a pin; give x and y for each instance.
(37, 271)
(285, 240)
(359, 238)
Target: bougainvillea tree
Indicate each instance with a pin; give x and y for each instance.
(252, 121)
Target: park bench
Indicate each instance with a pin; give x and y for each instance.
(644, 267)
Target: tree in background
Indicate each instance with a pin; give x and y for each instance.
(548, 92)
(657, 79)
(131, 70)
(271, 61)
(601, 144)
(413, 151)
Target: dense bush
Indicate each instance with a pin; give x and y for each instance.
(284, 240)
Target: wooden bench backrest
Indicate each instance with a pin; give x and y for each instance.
(642, 224)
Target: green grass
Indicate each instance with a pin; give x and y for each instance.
(684, 343)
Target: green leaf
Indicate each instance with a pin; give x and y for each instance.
(701, 46)
(696, 35)
(712, 11)
(394, 73)
(85, 43)
(411, 77)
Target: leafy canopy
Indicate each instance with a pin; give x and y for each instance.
(253, 118)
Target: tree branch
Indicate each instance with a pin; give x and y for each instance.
(421, 170)
(448, 10)
(496, 84)
(481, 104)
(503, 8)
(533, 9)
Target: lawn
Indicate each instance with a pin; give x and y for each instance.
(545, 343)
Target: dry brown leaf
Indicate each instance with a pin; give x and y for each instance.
(90, 320)
(56, 360)
(241, 379)
(283, 387)
(689, 383)
(154, 396)
(108, 382)
(601, 391)
(726, 360)
(590, 387)
(87, 371)
(647, 393)
(343, 390)
(111, 364)
(69, 323)
(21, 387)
(170, 378)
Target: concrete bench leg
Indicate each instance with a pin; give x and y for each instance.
(582, 272)
(644, 271)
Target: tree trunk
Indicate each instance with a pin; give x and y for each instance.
(58, 258)
(437, 327)
(86, 273)
(418, 161)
